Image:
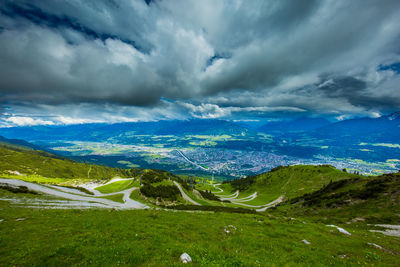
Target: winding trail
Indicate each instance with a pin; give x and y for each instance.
(261, 207)
(246, 199)
(73, 194)
(219, 189)
(229, 197)
(186, 196)
(271, 204)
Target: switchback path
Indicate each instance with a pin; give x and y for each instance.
(186, 196)
(67, 193)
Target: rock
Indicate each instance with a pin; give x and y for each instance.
(185, 258)
(305, 242)
(339, 229)
(230, 228)
(375, 245)
(20, 219)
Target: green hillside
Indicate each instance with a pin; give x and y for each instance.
(21, 162)
(54, 237)
(290, 181)
(376, 200)
(294, 233)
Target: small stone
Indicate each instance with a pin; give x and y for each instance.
(305, 242)
(375, 245)
(339, 229)
(20, 219)
(185, 258)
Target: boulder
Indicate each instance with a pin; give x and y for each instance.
(185, 258)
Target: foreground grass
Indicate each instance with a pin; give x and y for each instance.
(158, 238)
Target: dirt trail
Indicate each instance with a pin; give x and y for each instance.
(72, 194)
(186, 196)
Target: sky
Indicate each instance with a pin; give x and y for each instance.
(80, 61)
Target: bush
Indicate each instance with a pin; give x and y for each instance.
(152, 177)
(166, 192)
(208, 195)
(243, 184)
(17, 189)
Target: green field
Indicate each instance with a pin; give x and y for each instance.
(117, 186)
(158, 238)
(215, 233)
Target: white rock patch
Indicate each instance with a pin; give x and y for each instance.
(340, 229)
(185, 258)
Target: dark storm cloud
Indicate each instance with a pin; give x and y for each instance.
(210, 58)
(37, 16)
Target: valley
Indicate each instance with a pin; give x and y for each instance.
(224, 149)
(278, 217)
(262, 217)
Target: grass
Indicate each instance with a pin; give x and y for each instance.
(36, 179)
(115, 198)
(372, 201)
(291, 182)
(40, 163)
(117, 186)
(158, 238)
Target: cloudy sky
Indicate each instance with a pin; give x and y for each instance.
(77, 61)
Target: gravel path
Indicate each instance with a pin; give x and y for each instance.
(186, 196)
(77, 195)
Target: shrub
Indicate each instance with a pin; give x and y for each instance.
(166, 192)
(151, 177)
(243, 184)
(17, 189)
(208, 195)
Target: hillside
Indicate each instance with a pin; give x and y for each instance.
(297, 232)
(382, 129)
(17, 143)
(376, 200)
(289, 182)
(18, 161)
(297, 125)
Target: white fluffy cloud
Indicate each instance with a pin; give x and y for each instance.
(27, 121)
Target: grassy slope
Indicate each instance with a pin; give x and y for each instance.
(115, 198)
(154, 238)
(117, 186)
(39, 163)
(374, 201)
(292, 181)
(157, 238)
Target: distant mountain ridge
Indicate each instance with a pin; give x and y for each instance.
(382, 129)
(103, 131)
(17, 142)
(296, 125)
